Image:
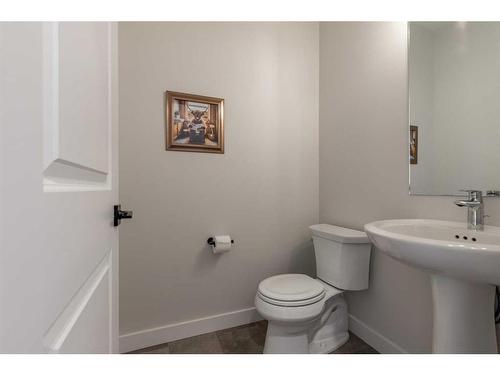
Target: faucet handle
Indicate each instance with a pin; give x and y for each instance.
(492, 193)
(473, 194)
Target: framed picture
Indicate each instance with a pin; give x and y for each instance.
(194, 123)
(413, 144)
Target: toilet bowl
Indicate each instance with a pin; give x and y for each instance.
(307, 315)
(302, 320)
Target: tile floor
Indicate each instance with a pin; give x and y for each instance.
(247, 339)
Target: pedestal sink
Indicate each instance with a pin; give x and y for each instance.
(464, 266)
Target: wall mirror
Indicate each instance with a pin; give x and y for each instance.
(454, 107)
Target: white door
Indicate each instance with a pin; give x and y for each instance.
(58, 185)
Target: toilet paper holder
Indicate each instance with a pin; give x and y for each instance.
(211, 241)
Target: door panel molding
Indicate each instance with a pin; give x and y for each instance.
(77, 138)
(50, 95)
(61, 329)
(62, 175)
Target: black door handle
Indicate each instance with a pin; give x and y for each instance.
(119, 214)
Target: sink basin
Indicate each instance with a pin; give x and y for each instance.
(464, 266)
(443, 247)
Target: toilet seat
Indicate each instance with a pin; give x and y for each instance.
(289, 309)
(291, 290)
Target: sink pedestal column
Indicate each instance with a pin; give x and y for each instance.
(463, 316)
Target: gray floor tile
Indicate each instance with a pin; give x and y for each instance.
(247, 339)
(354, 346)
(157, 349)
(368, 350)
(203, 344)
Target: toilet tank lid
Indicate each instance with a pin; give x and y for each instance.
(339, 234)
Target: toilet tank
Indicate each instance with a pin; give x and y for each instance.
(342, 256)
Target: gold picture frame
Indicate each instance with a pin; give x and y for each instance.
(194, 123)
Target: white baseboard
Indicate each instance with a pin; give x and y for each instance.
(159, 335)
(373, 338)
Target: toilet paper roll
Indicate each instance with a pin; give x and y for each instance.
(222, 244)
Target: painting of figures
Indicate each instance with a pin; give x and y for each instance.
(413, 144)
(194, 123)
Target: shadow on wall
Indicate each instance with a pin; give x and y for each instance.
(302, 259)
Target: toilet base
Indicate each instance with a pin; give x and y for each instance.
(324, 334)
(330, 332)
(287, 339)
(328, 345)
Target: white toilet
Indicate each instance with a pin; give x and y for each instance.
(307, 315)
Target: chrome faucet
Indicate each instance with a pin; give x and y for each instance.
(475, 209)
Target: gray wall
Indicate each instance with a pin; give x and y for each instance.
(364, 170)
(263, 190)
